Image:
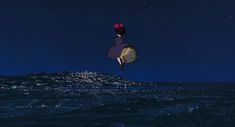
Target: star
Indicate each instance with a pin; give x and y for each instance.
(50, 26)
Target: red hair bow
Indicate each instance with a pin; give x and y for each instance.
(116, 26)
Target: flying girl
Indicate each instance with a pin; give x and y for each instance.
(123, 53)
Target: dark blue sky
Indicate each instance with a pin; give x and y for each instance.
(178, 40)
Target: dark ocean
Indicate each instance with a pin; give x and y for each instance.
(88, 99)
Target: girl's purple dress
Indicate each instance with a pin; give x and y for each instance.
(115, 51)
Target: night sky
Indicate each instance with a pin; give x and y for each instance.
(178, 40)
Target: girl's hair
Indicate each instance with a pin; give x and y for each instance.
(119, 29)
